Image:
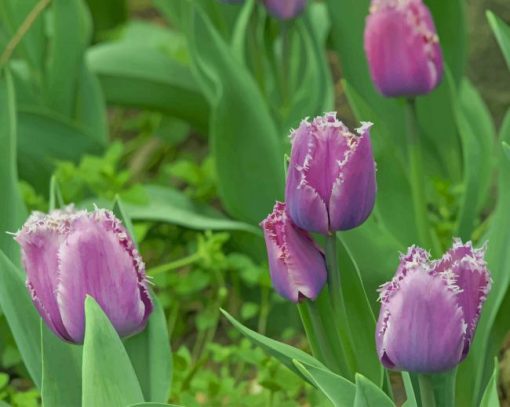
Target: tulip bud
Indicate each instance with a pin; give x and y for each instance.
(297, 266)
(430, 310)
(402, 47)
(285, 9)
(70, 254)
(331, 176)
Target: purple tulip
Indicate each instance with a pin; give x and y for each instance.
(285, 9)
(402, 47)
(331, 178)
(297, 266)
(430, 310)
(70, 254)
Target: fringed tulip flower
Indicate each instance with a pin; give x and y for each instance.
(70, 254)
(430, 310)
(297, 266)
(285, 9)
(402, 48)
(331, 177)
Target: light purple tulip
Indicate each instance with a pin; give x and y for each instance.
(402, 48)
(69, 254)
(430, 310)
(331, 176)
(285, 9)
(297, 266)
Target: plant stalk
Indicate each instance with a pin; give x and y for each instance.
(428, 398)
(418, 179)
(340, 317)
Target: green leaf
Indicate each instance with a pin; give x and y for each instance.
(120, 212)
(70, 33)
(140, 76)
(361, 319)
(490, 396)
(502, 33)
(172, 206)
(478, 134)
(61, 371)
(107, 14)
(32, 45)
(286, 354)
(338, 390)
(57, 139)
(55, 201)
(368, 394)
(408, 385)
(22, 317)
(244, 139)
(151, 357)
(394, 188)
(91, 106)
(471, 377)
(12, 208)
(108, 376)
(149, 350)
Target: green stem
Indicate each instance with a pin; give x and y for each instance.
(426, 391)
(338, 302)
(418, 179)
(311, 334)
(443, 385)
(185, 261)
(264, 310)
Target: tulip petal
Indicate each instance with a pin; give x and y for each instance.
(422, 328)
(402, 48)
(285, 10)
(354, 191)
(93, 262)
(467, 267)
(297, 266)
(40, 240)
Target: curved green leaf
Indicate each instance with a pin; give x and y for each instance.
(490, 396)
(368, 394)
(140, 76)
(108, 375)
(245, 142)
(338, 390)
(22, 317)
(12, 208)
(502, 33)
(286, 354)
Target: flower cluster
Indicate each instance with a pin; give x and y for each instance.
(330, 187)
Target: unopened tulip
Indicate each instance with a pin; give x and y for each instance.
(331, 176)
(430, 310)
(285, 9)
(297, 266)
(402, 48)
(70, 254)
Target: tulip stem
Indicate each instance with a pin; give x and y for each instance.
(418, 179)
(338, 302)
(318, 336)
(310, 330)
(426, 391)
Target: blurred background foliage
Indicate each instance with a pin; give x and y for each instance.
(115, 99)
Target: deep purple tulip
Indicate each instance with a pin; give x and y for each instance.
(331, 177)
(285, 9)
(69, 254)
(402, 48)
(430, 310)
(297, 266)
